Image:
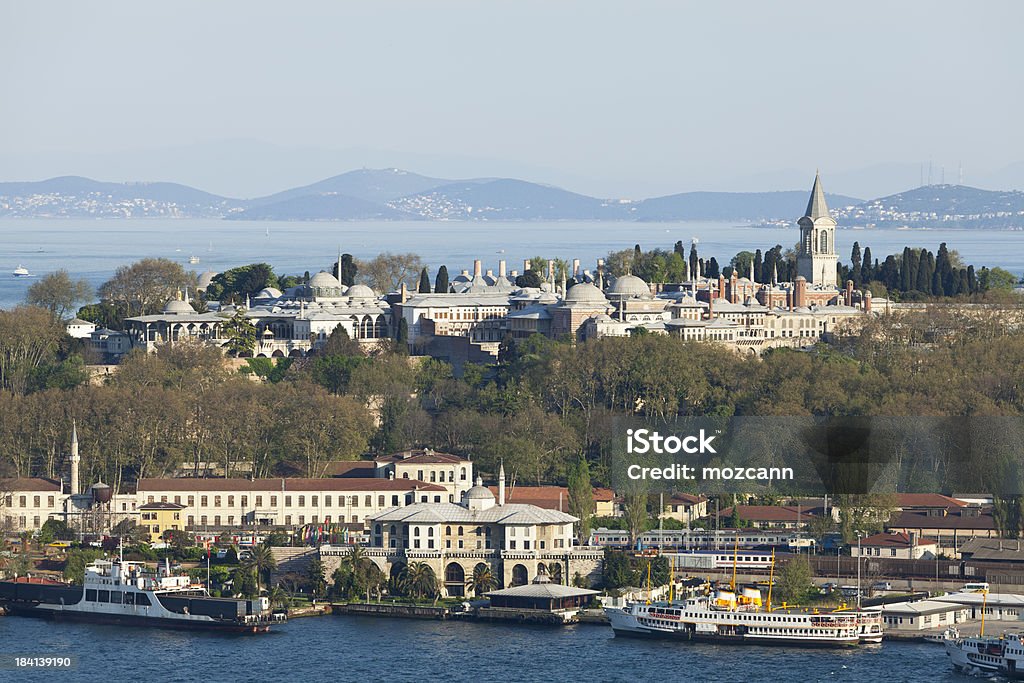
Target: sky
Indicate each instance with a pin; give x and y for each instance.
(623, 99)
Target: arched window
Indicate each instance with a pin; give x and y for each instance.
(823, 243)
(460, 531)
(448, 530)
(415, 531)
(393, 530)
(376, 529)
(519, 575)
(451, 476)
(430, 531)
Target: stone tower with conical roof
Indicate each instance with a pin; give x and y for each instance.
(816, 259)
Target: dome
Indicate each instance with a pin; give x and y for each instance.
(177, 306)
(205, 279)
(585, 293)
(631, 287)
(324, 279)
(361, 292)
(479, 493)
(269, 293)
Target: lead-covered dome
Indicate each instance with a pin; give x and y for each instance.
(585, 293)
(630, 286)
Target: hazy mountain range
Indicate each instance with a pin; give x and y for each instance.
(393, 194)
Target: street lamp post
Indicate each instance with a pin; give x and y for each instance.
(858, 569)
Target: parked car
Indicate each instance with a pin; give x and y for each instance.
(881, 586)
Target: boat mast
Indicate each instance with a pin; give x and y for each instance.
(771, 580)
(984, 605)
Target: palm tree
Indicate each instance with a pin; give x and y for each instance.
(483, 580)
(279, 598)
(262, 562)
(419, 580)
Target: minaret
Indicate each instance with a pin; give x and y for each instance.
(501, 484)
(816, 258)
(75, 458)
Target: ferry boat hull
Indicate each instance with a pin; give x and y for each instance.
(627, 625)
(132, 620)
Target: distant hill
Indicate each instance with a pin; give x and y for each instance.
(322, 207)
(947, 206)
(74, 196)
(732, 206)
(506, 199)
(372, 185)
(394, 194)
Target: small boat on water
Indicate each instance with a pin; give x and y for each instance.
(21, 271)
(950, 633)
(193, 259)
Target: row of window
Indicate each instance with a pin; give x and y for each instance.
(51, 501)
(314, 501)
(117, 597)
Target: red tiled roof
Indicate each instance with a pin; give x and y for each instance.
(546, 496)
(422, 456)
(296, 484)
(926, 500)
(30, 484)
(896, 540)
(920, 520)
(689, 499)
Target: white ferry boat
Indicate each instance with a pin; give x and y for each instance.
(869, 624)
(728, 618)
(21, 271)
(133, 594)
(988, 655)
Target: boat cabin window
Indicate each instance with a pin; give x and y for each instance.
(103, 596)
(115, 597)
(142, 599)
(90, 594)
(129, 598)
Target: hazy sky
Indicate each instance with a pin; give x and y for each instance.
(614, 99)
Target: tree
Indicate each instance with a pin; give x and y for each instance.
(794, 584)
(56, 530)
(637, 515)
(529, 278)
(261, 562)
(386, 272)
(694, 259)
(238, 284)
(340, 344)
(178, 538)
(317, 578)
(581, 498)
(855, 265)
(349, 270)
(58, 293)
(145, 286)
(424, 287)
(483, 580)
(419, 580)
(441, 284)
(403, 334)
(713, 270)
(29, 339)
(77, 560)
(240, 334)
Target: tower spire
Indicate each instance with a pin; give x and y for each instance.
(75, 458)
(501, 483)
(816, 206)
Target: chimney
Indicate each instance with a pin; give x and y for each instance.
(600, 273)
(721, 286)
(800, 285)
(501, 268)
(514, 274)
(575, 267)
(734, 295)
(75, 459)
(404, 293)
(490, 273)
(551, 270)
(711, 307)
(867, 301)
(476, 268)
(849, 292)
(526, 264)
(501, 484)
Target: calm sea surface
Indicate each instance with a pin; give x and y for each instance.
(367, 649)
(93, 249)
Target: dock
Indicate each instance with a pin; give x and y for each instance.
(393, 610)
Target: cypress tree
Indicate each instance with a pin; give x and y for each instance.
(924, 273)
(759, 267)
(403, 332)
(963, 282)
(441, 282)
(972, 280)
(855, 264)
(348, 270)
(712, 268)
(867, 273)
(908, 271)
(694, 259)
(679, 248)
(424, 287)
